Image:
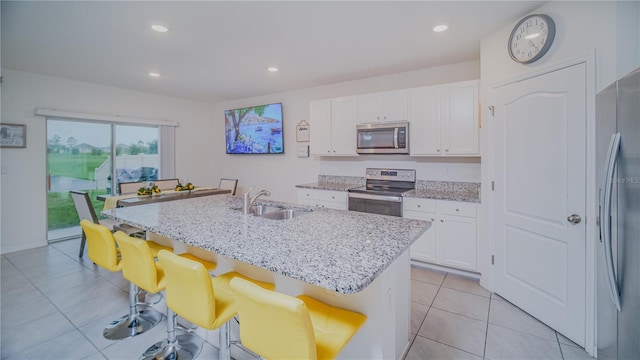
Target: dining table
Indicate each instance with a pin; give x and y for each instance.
(125, 200)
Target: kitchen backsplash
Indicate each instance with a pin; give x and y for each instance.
(455, 186)
(333, 179)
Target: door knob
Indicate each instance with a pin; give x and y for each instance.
(574, 219)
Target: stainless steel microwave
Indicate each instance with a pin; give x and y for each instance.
(383, 138)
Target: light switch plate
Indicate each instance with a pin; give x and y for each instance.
(302, 151)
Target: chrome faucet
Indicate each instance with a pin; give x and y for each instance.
(247, 200)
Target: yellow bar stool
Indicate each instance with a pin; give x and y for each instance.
(138, 266)
(279, 326)
(102, 246)
(142, 271)
(103, 252)
(200, 299)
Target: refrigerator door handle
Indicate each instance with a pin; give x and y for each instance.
(605, 217)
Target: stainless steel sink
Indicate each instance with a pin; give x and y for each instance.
(283, 214)
(259, 210)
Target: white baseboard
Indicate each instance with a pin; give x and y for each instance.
(431, 266)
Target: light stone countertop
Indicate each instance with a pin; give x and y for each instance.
(463, 196)
(331, 186)
(450, 194)
(343, 251)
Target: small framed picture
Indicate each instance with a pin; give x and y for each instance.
(13, 136)
(302, 131)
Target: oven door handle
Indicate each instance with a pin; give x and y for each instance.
(375, 197)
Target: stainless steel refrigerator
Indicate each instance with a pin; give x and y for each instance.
(618, 250)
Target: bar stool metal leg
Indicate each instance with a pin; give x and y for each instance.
(224, 345)
(184, 346)
(136, 322)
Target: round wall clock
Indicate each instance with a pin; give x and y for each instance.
(531, 38)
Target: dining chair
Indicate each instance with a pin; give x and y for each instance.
(279, 326)
(200, 299)
(85, 210)
(230, 184)
(166, 184)
(131, 187)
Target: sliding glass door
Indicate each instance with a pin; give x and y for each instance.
(80, 156)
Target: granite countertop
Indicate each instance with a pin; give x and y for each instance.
(333, 186)
(463, 196)
(343, 251)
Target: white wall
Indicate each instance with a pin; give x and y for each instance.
(23, 182)
(608, 27)
(280, 173)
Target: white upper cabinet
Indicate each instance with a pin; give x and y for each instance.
(444, 120)
(460, 111)
(424, 129)
(333, 127)
(383, 107)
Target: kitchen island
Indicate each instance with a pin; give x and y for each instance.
(354, 260)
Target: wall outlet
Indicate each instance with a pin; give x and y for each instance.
(302, 151)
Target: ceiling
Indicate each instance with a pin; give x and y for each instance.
(216, 51)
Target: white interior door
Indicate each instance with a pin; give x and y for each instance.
(540, 175)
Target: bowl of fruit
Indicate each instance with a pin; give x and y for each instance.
(187, 187)
(149, 190)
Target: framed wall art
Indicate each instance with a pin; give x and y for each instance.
(302, 131)
(13, 136)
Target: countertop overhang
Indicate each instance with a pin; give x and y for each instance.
(343, 251)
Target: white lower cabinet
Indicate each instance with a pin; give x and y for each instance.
(451, 240)
(323, 198)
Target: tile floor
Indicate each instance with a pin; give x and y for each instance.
(55, 305)
(452, 317)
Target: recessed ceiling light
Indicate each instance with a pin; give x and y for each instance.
(440, 28)
(160, 28)
(272, 69)
(154, 74)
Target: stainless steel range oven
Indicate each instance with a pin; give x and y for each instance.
(383, 191)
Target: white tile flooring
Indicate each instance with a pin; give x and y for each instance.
(55, 305)
(452, 317)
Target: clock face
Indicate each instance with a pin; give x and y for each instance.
(531, 38)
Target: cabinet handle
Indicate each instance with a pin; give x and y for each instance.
(441, 220)
(419, 205)
(432, 219)
(447, 150)
(457, 209)
(438, 150)
(333, 197)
